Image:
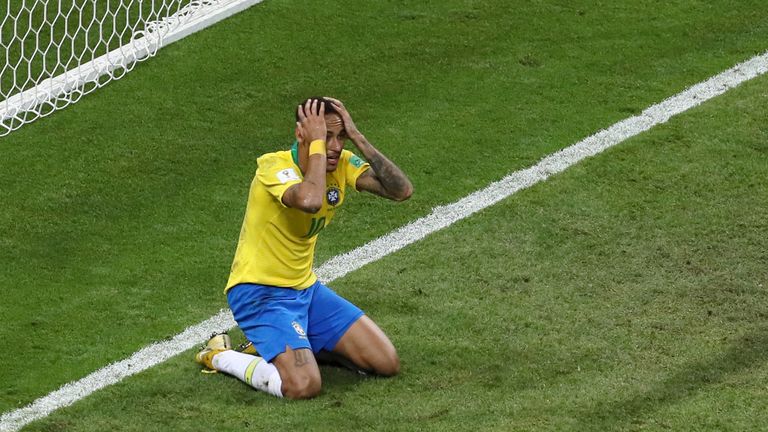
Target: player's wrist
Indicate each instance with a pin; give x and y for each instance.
(356, 136)
(317, 147)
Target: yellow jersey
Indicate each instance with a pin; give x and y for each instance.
(277, 243)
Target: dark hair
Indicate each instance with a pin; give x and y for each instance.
(329, 109)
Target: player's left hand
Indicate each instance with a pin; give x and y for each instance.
(349, 125)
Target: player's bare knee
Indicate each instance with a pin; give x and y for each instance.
(307, 392)
(392, 366)
(388, 364)
(301, 386)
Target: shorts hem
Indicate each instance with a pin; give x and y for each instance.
(270, 356)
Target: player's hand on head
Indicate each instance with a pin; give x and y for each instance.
(311, 122)
(349, 124)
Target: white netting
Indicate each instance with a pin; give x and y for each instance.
(52, 52)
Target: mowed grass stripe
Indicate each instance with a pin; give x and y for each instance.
(440, 217)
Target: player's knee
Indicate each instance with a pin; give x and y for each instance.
(301, 386)
(388, 364)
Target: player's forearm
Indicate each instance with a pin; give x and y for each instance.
(391, 177)
(311, 191)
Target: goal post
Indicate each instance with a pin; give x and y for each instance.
(52, 52)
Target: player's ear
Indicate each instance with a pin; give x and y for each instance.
(299, 132)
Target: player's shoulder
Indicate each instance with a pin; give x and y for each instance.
(277, 168)
(278, 159)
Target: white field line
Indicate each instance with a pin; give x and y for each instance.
(440, 218)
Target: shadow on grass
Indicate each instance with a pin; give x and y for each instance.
(338, 381)
(748, 351)
(339, 374)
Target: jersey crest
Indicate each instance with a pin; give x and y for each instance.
(333, 194)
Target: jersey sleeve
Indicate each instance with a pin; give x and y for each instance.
(277, 175)
(354, 166)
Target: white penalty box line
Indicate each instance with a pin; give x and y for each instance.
(441, 217)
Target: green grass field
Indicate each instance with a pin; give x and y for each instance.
(627, 293)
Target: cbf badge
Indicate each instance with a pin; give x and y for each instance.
(333, 195)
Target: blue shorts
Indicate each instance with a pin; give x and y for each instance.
(273, 317)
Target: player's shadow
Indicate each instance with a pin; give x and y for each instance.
(338, 373)
(748, 351)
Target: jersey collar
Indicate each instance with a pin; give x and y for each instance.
(295, 154)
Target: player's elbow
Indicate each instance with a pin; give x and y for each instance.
(311, 207)
(310, 203)
(405, 193)
(305, 196)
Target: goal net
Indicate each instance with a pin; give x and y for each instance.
(52, 52)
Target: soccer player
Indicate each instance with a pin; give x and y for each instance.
(275, 297)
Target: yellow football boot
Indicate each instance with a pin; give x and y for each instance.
(217, 343)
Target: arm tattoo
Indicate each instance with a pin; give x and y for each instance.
(393, 180)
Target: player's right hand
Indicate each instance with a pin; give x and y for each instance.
(311, 122)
